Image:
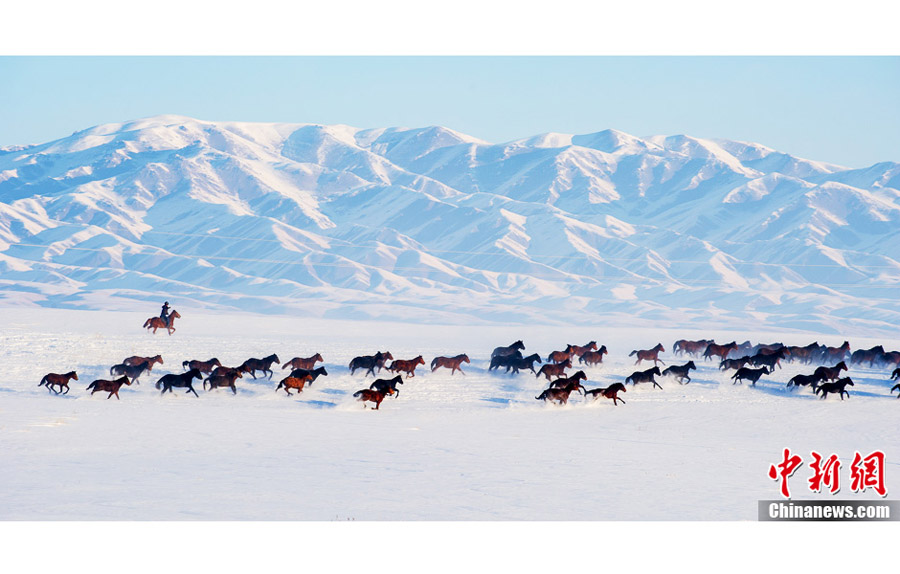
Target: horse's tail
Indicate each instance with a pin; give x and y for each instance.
(184, 364)
(357, 393)
(433, 361)
(632, 353)
(896, 388)
(43, 381)
(90, 386)
(147, 322)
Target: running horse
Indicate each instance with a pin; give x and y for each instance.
(649, 354)
(720, 351)
(51, 379)
(183, 380)
(406, 366)
(157, 323)
(111, 387)
(303, 363)
(578, 350)
(591, 358)
(693, 348)
(507, 351)
(610, 392)
(452, 363)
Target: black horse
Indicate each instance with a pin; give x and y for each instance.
(510, 350)
(523, 363)
(369, 362)
(504, 361)
(131, 372)
(314, 373)
(680, 372)
(644, 377)
(264, 365)
(803, 380)
(182, 380)
(387, 386)
(752, 375)
(838, 386)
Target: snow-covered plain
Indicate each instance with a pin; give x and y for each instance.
(474, 447)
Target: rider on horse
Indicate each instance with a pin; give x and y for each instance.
(164, 315)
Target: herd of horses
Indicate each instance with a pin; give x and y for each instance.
(750, 363)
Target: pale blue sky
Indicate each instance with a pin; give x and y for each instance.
(844, 110)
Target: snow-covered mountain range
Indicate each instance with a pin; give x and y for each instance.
(429, 224)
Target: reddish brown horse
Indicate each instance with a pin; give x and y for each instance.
(863, 355)
(407, 366)
(832, 354)
(830, 373)
(136, 361)
(224, 380)
(560, 356)
(368, 395)
(294, 383)
(51, 379)
(649, 354)
(591, 358)
(157, 323)
(578, 351)
(610, 392)
(307, 363)
(452, 363)
(205, 367)
(558, 370)
(111, 387)
(721, 351)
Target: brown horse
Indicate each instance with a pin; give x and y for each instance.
(368, 395)
(157, 323)
(649, 354)
(264, 365)
(644, 377)
(407, 366)
(721, 351)
(452, 363)
(136, 361)
(51, 379)
(560, 356)
(219, 371)
(202, 366)
(578, 351)
(111, 387)
(693, 348)
(830, 373)
(559, 395)
(863, 355)
(307, 363)
(225, 380)
(558, 370)
(733, 363)
(591, 358)
(294, 383)
(566, 381)
(832, 354)
(610, 392)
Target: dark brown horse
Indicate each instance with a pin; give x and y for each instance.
(517, 363)
(735, 364)
(578, 350)
(51, 379)
(264, 365)
(566, 381)
(294, 383)
(558, 370)
(407, 366)
(830, 373)
(157, 323)
(202, 366)
(226, 380)
(649, 354)
(559, 395)
(837, 387)
(832, 354)
(861, 356)
(314, 373)
(721, 351)
(111, 387)
(452, 363)
(387, 386)
(510, 350)
(802, 380)
(368, 395)
(592, 358)
(610, 392)
(693, 348)
(307, 363)
(132, 373)
(182, 380)
(771, 360)
(680, 372)
(149, 361)
(748, 374)
(644, 377)
(219, 371)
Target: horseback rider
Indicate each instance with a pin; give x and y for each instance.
(164, 315)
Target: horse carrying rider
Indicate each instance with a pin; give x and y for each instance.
(164, 314)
